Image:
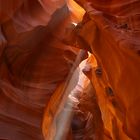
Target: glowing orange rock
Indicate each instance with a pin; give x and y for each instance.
(77, 11)
(115, 43)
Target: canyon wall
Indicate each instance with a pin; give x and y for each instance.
(40, 41)
(34, 61)
(112, 30)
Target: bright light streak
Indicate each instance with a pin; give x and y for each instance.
(58, 119)
(75, 24)
(67, 115)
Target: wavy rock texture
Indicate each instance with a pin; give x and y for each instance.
(37, 52)
(76, 10)
(34, 61)
(114, 39)
(27, 14)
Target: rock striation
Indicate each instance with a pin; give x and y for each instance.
(43, 42)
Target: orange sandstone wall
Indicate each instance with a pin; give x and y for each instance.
(33, 62)
(113, 31)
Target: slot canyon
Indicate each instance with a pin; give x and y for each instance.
(69, 69)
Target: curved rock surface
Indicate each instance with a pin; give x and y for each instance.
(114, 40)
(34, 61)
(39, 47)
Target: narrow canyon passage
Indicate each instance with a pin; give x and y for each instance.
(69, 70)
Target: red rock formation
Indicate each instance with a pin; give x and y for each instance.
(34, 61)
(114, 40)
(37, 51)
(76, 10)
